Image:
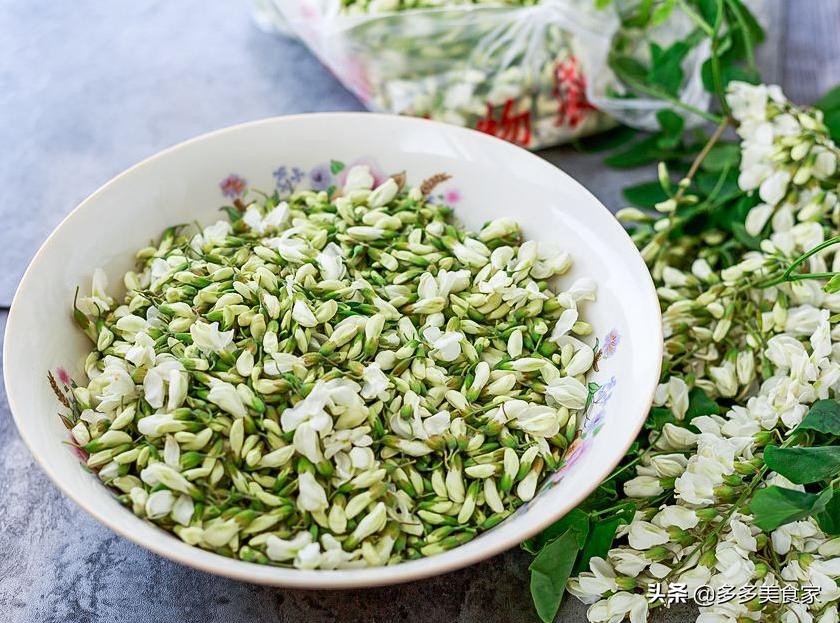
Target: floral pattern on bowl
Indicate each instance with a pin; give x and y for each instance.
(324, 176)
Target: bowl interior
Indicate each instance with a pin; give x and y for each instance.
(189, 182)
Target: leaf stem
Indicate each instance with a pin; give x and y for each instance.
(695, 165)
(789, 275)
(648, 90)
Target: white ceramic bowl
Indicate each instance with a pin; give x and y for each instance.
(490, 178)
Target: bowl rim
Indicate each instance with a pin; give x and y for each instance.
(347, 578)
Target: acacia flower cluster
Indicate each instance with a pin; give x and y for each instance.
(333, 379)
(758, 335)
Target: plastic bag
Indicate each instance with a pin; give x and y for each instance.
(533, 75)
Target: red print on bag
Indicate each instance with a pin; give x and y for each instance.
(570, 91)
(515, 128)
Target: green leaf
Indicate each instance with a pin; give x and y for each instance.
(641, 17)
(774, 506)
(729, 71)
(549, 572)
(662, 12)
(832, 122)
(823, 417)
(627, 68)
(699, 404)
(666, 66)
(721, 156)
(644, 195)
(602, 535)
(833, 284)
(672, 128)
(708, 10)
(233, 214)
(803, 465)
(659, 417)
(829, 519)
(742, 235)
(829, 101)
(603, 141)
(576, 522)
(336, 166)
(641, 152)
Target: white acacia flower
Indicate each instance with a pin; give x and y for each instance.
(307, 442)
(142, 352)
(590, 585)
(260, 224)
(225, 396)
(674, 393)
(383, 194)
(757, 218)
(580, 362)
(644, 535)
(668, 465)
(331, 261)
(619, 606)
(568, 392)
(311, 495)
(168, 375)
(534, 419)
(375, 382)
(446, 345)
(550, 262)
(216, 233)
(158, 424)
(627, 561)
(302, 315)
(130, 325)
(498, 228)
(804, 320)
(773, 189)
(642, 487)
(695, 577)
(308, 557)
(794, 533)
(159, 504)
(113, 387)
(208, 338)
(733, 565)
(564, 324)
(725, 379)
(281, 550)
(358, 178)
(675, 438)
(741, 535)
(182, 510)
(471, 252)
(334, 557)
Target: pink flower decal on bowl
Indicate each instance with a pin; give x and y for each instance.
(233, 186)
(63, 376)
(375, 170)
(452, 196)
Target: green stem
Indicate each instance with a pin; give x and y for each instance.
(788, 275)
(745, 32)
(801, 259)
(716, 72)
(654, 92)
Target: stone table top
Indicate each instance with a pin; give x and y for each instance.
(88, 88)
